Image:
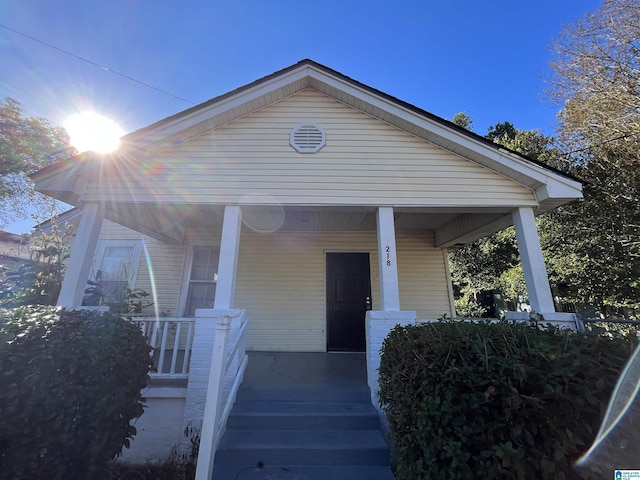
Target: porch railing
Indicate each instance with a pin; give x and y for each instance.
(227, 365)
(235, 364)
(171, 340)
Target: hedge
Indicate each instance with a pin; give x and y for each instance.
(495, 400)
(71, 384)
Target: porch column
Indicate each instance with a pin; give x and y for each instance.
(228, 262)
(389, 289)
(81, 256)
(535, 272)
(379, 323)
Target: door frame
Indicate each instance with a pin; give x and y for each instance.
(326, 319)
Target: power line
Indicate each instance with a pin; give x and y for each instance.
(102, 67)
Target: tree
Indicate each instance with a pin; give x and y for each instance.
(463, 120)
(26, 145)
(501, 132)
(596, 82)
(478, 267)
(39, 280)
(493, 263)
(597, 76)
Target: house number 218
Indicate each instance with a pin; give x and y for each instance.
(388, 250)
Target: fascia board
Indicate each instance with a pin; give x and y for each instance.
(221, 107)
(67, 183)
(555, 190)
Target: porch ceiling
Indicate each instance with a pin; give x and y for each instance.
(170, 222)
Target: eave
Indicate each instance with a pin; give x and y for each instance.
(551, 188)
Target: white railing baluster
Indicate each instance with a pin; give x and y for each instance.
(176, 346)
(157, 333)
(163, 346)
(187, 349)
(154, 335)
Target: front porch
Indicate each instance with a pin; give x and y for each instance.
(277, 414)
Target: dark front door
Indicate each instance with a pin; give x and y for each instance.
(348, 299)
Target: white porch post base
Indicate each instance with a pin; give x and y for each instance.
(208, 324)
(378, 325)
(559, 319)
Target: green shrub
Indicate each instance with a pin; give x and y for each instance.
(495, 400)
(71, 384)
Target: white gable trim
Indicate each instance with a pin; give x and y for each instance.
(500, 160)
(545, 182)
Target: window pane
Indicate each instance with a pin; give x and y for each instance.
(114, 291)
(202, 286)
(201, 295)
(117, 263)
(204, 264)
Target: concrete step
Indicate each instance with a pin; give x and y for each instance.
(303, 432)
(303, 395)
(302, 472)
(296, 415)
(303, 447)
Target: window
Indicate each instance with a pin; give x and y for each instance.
(203, 275)
(115, 268)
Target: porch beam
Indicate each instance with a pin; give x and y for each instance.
(535, 272)
(81, 256)
(389, 288)
(467, 227)
(173, 236)
(228, 262)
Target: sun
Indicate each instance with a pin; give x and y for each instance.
(90, 131)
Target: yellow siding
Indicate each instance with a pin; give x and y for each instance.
(281, 283)
(281, 279)
(365, 161)
(424, 286)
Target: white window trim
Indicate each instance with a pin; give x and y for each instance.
(135, 260)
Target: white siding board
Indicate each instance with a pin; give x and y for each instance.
(362, 154)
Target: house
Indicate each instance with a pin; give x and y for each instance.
(295, 207)
(14, 250)
(15, 256)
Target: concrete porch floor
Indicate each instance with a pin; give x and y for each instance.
(306, 371)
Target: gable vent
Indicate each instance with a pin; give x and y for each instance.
(307, 138)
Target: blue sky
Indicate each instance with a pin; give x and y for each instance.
(488, 59)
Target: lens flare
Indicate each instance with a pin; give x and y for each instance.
(90, 131)
(617, 445)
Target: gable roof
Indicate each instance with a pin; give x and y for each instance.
(298, 68)
(551, 187)
(547, 182)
